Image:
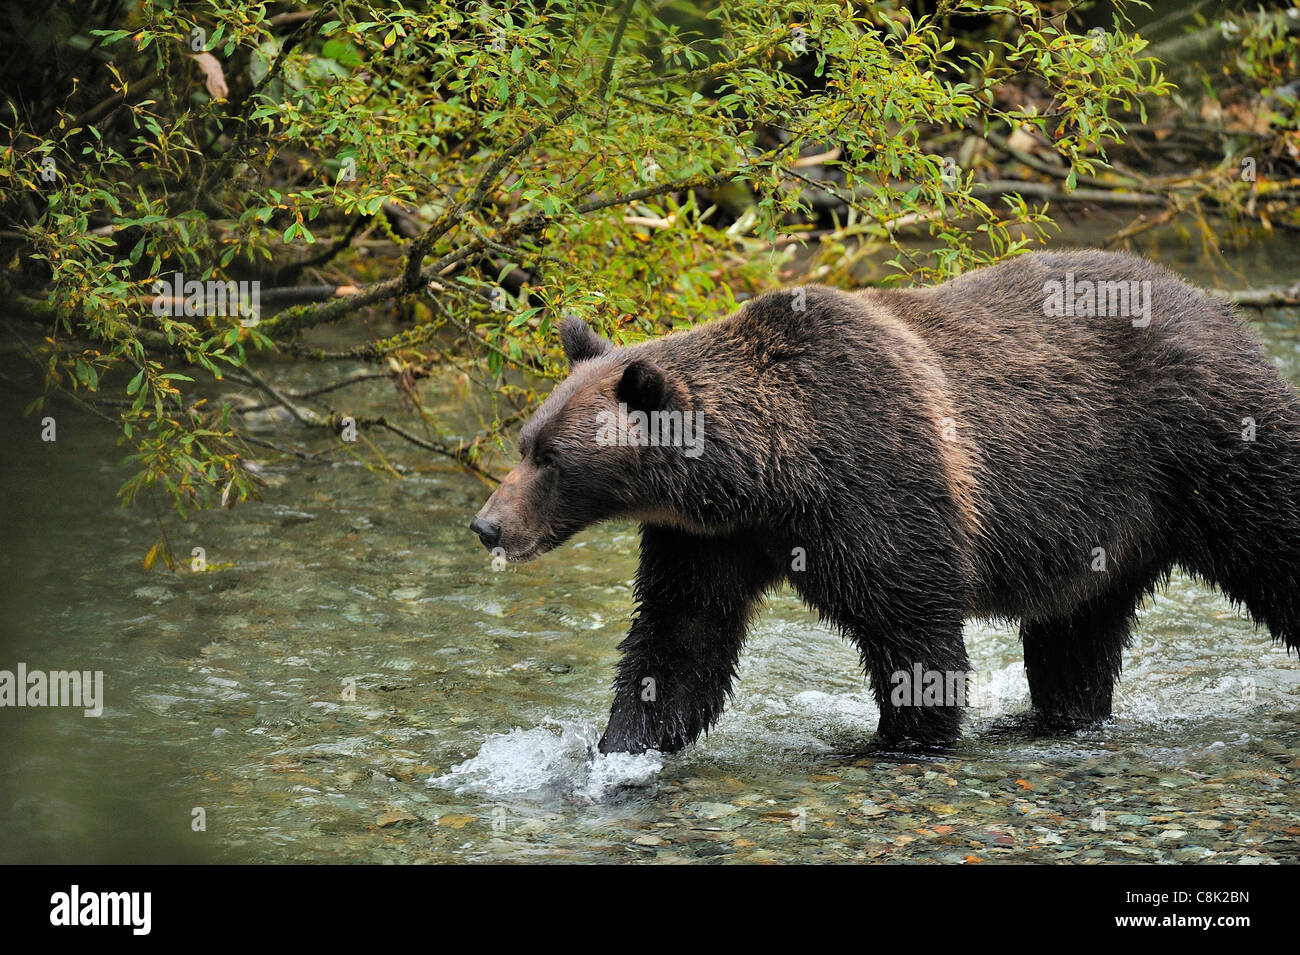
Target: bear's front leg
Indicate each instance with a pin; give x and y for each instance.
(694, 597)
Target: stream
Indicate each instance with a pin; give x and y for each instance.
(349, 679)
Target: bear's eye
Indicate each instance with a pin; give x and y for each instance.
(544, 457)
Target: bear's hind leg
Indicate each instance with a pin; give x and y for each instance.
(919, 683)
(694, 598)
(902, 604)
(1072, 661)
(1266, 585)
(1237, 526)
(1254, 561)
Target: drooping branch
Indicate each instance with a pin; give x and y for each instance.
(614, 46)
(291, 321)
(411, 278)
(713, 70)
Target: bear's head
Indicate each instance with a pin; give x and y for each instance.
(584, 454)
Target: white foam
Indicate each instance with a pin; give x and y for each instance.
(849, 710)
(554, 758)
(999, 691)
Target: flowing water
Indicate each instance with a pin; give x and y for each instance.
(350, 679)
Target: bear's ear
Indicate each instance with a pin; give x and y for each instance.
(580, 342)
(643, 387)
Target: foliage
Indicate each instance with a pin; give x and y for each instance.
(641, 164)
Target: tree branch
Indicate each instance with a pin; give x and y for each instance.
(421, 246)
(714, 70)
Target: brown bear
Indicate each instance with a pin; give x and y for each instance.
(1042, 440)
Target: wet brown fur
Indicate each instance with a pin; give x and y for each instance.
(825, 435)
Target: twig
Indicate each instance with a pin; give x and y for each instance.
(421, 246)
(1057, 172)
(293, 16)
(303, 415)
(348, 381)
(290, 272)
(716, 69)
(1040, 190)
(1271, 296)
(617, 42)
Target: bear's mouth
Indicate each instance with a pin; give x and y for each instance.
(535, 550)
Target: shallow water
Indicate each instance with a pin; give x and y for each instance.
(351, 680)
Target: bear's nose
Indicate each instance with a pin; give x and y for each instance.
(489, 532)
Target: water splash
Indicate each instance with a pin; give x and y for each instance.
(558, 758)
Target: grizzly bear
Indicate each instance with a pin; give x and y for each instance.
(1042, 440)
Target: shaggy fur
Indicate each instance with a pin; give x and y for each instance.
(933, 454)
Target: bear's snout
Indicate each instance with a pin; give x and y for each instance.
(489, 532)
(515, 523)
